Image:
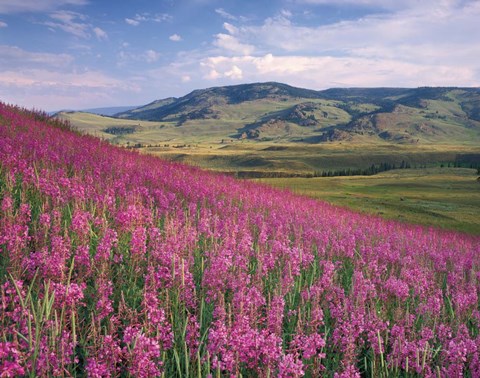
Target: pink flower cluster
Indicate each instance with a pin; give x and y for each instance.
(114, 263)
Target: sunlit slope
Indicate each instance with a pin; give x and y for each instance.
(274, 112)
(115, 263)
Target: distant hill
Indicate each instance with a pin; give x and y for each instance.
(107, 111)
(207, 103)
(110, 111)
(279, 112)
(145, 112)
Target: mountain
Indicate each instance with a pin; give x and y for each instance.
(144, 112)
(109, 111)
(106, 111)
(207, 103)
(278, 112)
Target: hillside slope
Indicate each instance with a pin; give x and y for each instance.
(279, 112)
(115, 263)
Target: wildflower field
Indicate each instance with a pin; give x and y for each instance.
(116, 264)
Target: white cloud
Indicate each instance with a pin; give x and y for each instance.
(235, 73)
(349, 2)
(175, 78)
(52, 81)
(13, 57)
(161, 17)
(232, 44)
(383, 4)
(70, 22)
(146, 17)
(21, 6)
(53, 90)
(76, 24)
(101, 34)
(426, 34)
(213, 75)
(225, 14)
(55, 79)
(127, 57)
(230, 28)
(327, 71)
(132, 22)
(3, 24)
(175, 38)
(151, 56)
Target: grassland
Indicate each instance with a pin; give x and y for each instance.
(441, 197)
(305, 159)
(211, 144)
(229, 119)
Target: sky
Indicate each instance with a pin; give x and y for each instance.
(78, 54)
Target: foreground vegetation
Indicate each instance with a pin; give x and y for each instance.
(114, 263)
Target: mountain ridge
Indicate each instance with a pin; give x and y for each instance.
(274, 111)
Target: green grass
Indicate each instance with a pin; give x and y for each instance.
(436, 122)
(303, 159)
(232, 117)
(441, 197)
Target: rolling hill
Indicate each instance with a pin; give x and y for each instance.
(109, 111)
(273, 127)
(274, 111)
(279, 112)
(115, 263)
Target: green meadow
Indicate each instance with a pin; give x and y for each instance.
(447, 198)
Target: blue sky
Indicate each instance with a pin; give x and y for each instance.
(58, 54)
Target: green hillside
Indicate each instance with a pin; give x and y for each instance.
(281, 113)
(272, 127)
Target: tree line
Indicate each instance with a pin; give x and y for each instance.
(371, 170)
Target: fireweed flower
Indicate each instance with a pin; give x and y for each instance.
(105, 360)
(142, 354)
(68, 295)
(10, 360)
(156, 320)
(54, 358)
(192, 335)
(349, 372)
(81, 225)
(104, 304)
(290, 366)
(153, 266)
(105, 246)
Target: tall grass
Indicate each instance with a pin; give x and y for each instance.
(118, 264)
